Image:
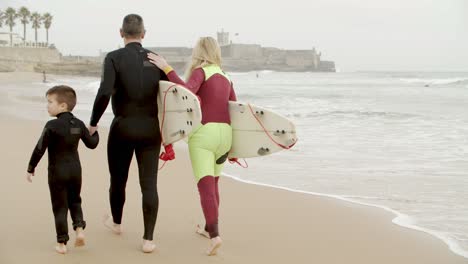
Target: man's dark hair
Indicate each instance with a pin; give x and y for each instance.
(65, 94)
(132, 25)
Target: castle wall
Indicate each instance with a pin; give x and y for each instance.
(172, 51)
(274, 56)
(240, 51)
(302, 58)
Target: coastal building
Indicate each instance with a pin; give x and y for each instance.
(5, 39)
(252, 57)
(18, 41)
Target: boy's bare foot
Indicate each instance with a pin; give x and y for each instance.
(108, 222)
(61, 248)
(202, 232)
(148, 246)
(215, 244)
(80, 237)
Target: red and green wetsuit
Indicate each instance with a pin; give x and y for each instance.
(214, 88)
(209, 143)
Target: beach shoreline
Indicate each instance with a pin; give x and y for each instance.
(262, 224)
(398, 219)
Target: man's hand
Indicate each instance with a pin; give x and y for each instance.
(92, 129)
(29, 176)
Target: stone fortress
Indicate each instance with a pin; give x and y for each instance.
(237, 57)
(253, 57)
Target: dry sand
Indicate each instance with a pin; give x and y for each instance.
(258, 224)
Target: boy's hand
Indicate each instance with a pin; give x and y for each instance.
(29, 176)
(92, 130)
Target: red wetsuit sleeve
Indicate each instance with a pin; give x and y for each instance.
(193, 84)
(232, 94)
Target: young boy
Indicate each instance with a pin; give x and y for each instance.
(61, 136)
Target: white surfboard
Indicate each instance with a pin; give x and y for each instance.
(257, 131)
(178, 110)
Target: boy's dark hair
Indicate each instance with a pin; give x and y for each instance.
(65, 94)
(132, 25)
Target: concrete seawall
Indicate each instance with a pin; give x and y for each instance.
(25, 59)
(30, 54)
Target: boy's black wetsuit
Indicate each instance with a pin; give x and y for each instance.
(61, 136)
(133, 83)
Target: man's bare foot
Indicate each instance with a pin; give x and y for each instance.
(215, 244)
(148, 246)
(61, 248)
(202, 232)
(80, 237)
(108, 222)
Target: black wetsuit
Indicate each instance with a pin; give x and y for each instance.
(133, 84)
(61, 136)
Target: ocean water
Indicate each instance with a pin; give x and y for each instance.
(398, 141)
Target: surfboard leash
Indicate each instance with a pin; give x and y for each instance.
(236, 161)
(162, 166)
(268, 134)
(169, 152)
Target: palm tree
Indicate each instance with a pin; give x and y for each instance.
(1, 18)
(47, 18)
(24, 14)
(36, 20)
(10, 17)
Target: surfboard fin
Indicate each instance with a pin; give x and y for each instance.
(263, 151)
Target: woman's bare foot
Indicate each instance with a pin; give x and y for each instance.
(202, 232)
(148, 246)
(108, 222)
(215, 244)
(80, 237)
(61, 248)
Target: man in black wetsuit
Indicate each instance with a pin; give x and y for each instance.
(133, 83)
(61, 136)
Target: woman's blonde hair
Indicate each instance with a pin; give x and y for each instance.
(205, 52)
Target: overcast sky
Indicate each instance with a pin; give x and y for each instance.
(399, 35)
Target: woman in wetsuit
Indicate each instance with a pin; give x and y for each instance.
(210, 143)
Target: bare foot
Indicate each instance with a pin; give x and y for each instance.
(61, 248)
(80, 237)
(148, 246)
(202, 232)
(215, 244)
(115, 228)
